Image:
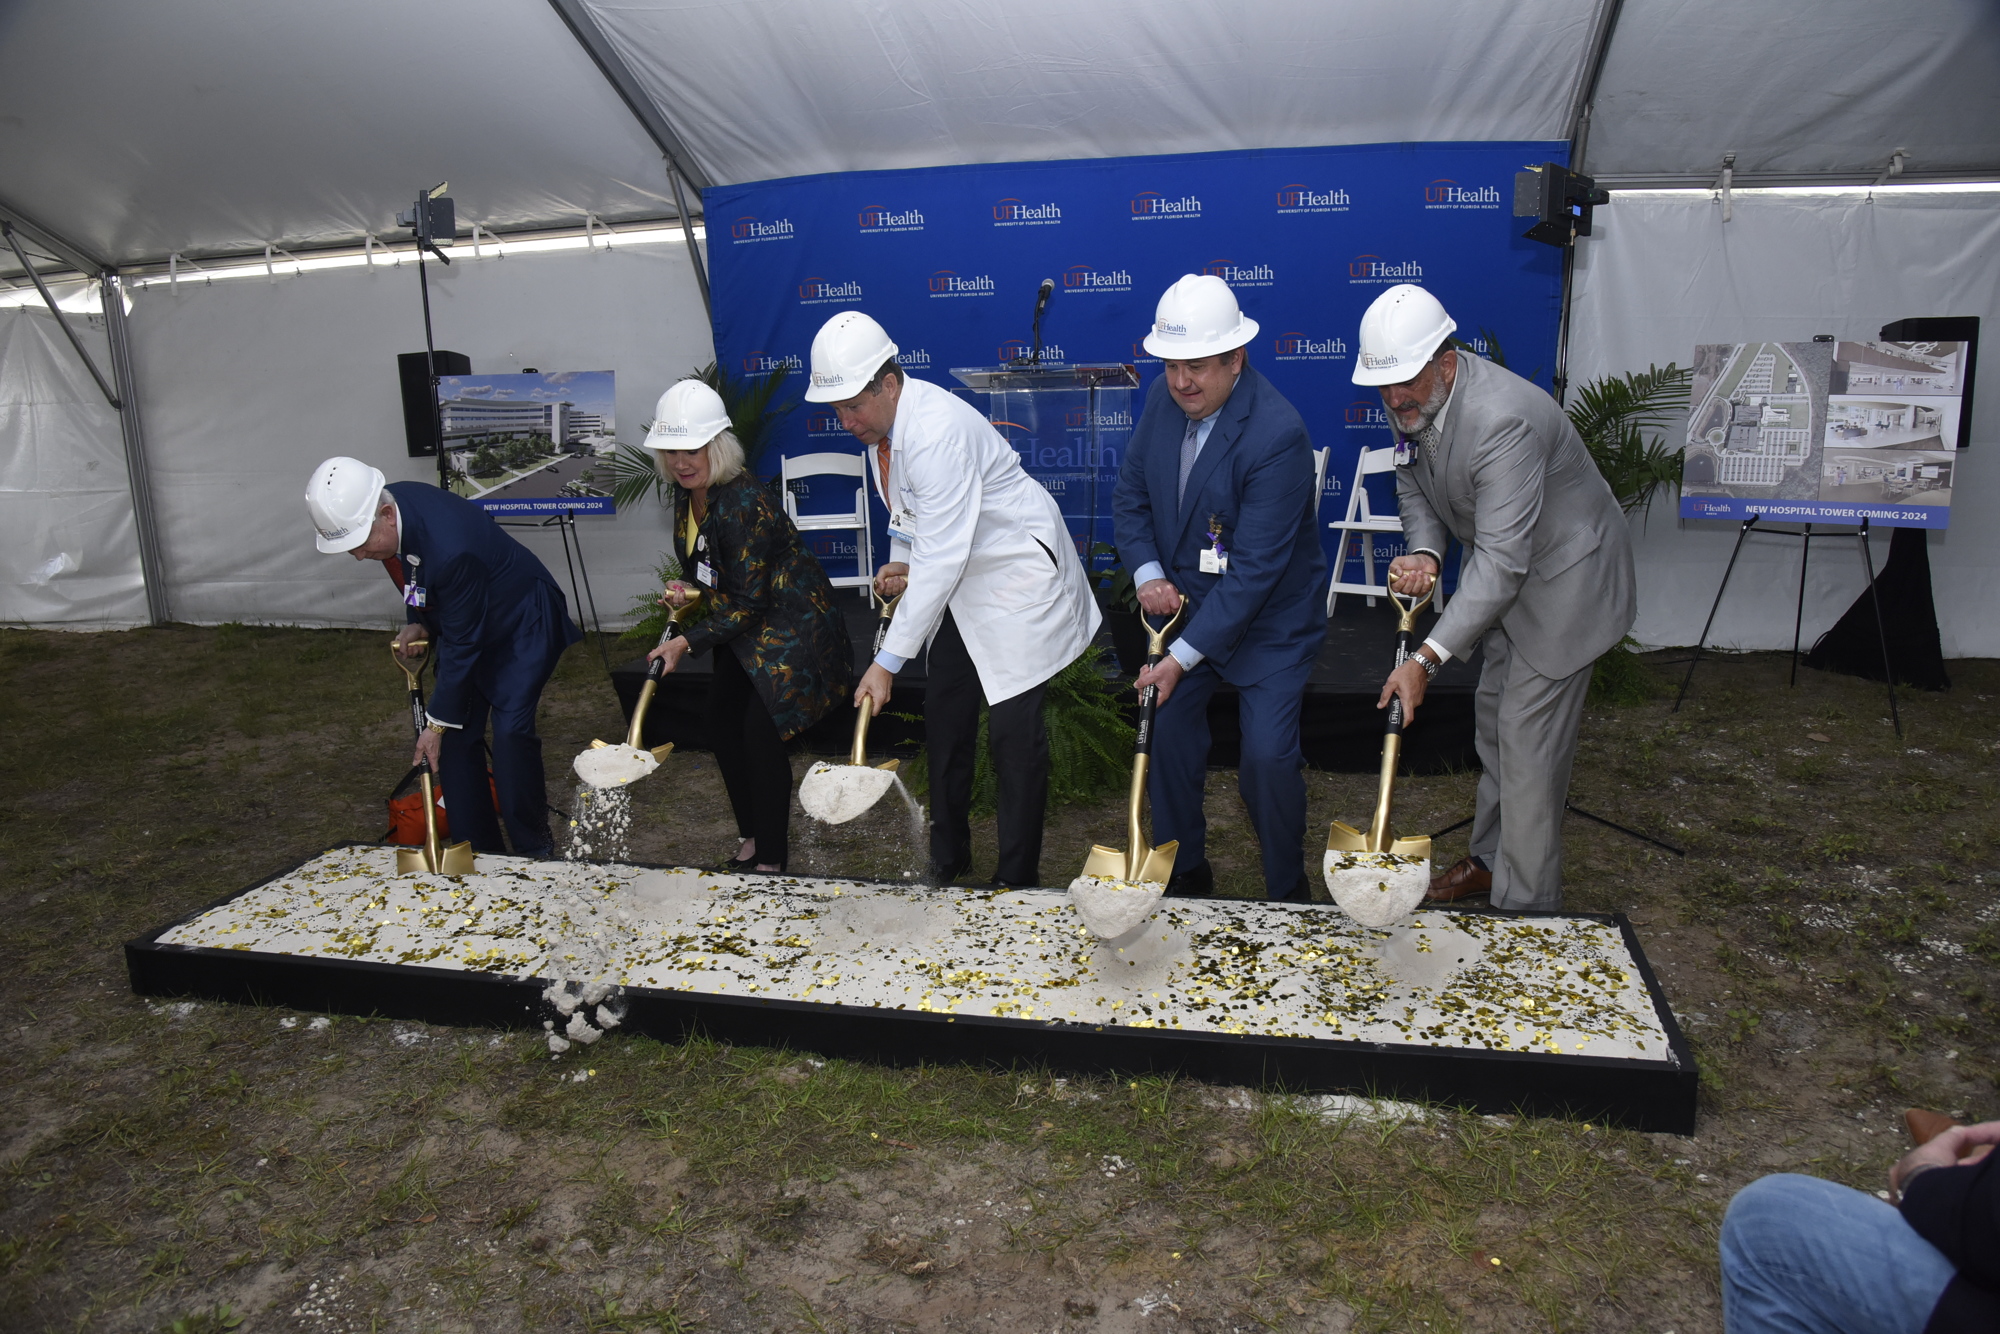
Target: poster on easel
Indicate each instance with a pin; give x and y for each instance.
(1824, 432)
(531, 444)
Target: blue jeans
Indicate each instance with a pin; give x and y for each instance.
(1805, 1256)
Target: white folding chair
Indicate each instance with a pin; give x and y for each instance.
(1360, 524)
(1320, 456)
(801, 466)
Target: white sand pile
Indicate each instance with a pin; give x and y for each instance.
(1377, 888)
(613, 766)
(1110, 908)
(836, 793)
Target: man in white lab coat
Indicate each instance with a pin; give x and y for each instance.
(990, 579)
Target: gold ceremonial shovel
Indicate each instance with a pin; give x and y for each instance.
(433, 856)
(837, 793)
(1140, 863)
(610, 764)
(1377, 878)
(1346, 838)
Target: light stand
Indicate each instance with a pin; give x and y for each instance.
(431, 217)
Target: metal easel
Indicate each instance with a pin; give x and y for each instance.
(1806, 537)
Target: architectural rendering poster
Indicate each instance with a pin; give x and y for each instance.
(531, 444)
(1824, 432)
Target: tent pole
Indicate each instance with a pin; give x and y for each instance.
(576, 14)
(694, 249)
(151, 567)
(1579, 141)
(90, 364)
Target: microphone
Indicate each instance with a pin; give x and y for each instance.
(1041, 304)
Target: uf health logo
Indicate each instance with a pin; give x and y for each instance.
(748, 230)
(1011, 212)
(913, 358)
(1241, 275)
(1015, 347)
(1375, 269)
(1082, 278)
(822, 422)
(1447, 193)
(1082, 419)
(881, 218)
(763, 363)
(1297, 198)
(824, 291)
(1295, 346)
(946, 282)
(1152, 206)
(1363, 414)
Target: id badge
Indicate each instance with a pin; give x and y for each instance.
(1213, 561)
(414, 596)
(704, 573)
(903, 526)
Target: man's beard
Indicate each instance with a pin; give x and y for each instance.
(1428, 410)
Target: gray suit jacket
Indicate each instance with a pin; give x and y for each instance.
(1549, 555)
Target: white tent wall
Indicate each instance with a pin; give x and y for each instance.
(247, 384)
(1665, 273)
(71, 554)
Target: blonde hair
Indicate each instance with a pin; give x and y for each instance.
(725, 459)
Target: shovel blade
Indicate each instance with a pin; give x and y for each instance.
(599, 745)
(457, 858)
(1105, 863)
(659, 752)
(1158, 867)
(889, 766)
(1345, 838)
(1417, 845)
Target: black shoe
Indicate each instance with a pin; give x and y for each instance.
(1197, 882)
(1301, 893)
(941, 875)
(736, 866)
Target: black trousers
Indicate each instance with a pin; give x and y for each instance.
(756, 770)
(1020, 749)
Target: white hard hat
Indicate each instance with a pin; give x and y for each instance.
(846, 353)
(1400, 331)
(343, 496)
(1198, 317)
(689, 415)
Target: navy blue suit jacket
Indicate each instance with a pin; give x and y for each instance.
(1267, 612)
(487, 598)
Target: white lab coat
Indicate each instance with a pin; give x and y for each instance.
(989, 544)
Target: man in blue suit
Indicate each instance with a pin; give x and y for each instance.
(498, 623)
(1215, 502)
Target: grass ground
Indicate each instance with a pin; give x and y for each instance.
(1828, 942)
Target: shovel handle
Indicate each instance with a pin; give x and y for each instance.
(1149, 697)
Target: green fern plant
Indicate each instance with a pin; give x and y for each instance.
(1090, 742)
(1619, 417)
(754, 408)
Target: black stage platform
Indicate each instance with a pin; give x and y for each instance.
(1341, 727)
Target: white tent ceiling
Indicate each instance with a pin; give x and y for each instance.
(137, 129)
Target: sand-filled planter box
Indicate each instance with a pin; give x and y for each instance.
(1546, 1013)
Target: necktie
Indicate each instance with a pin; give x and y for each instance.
(882, 458)
(1190, 449)
(1428, 438)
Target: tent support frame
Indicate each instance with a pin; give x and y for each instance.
(680, 162)
(138, 476)
(1579, 144)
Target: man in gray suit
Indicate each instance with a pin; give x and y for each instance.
(1545, 586)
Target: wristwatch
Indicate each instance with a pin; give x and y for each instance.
(437, 727)
(1430, 665)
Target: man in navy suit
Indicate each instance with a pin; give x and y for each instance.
(1215, 502)
(497, 620)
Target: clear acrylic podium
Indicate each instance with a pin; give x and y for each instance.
(1070, 425)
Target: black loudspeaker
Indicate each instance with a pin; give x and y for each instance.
(1945, 329)
(419, 424)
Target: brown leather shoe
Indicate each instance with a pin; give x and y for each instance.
(1926, 1126)
(1462, 881)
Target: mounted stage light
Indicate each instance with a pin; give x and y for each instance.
(1559, 199)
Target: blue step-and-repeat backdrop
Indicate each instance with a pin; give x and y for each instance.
(949, 260)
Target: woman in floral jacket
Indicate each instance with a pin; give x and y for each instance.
(785, 659)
